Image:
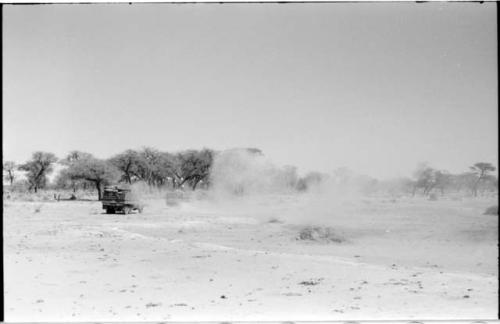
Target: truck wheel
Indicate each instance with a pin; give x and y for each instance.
(126, 210)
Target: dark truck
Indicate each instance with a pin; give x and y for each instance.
(116, 199)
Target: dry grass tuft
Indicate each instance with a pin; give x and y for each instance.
(311, 282)
(320, 234)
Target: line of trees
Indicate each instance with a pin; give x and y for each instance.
(191, 169)
(83, 171)
(426, 179)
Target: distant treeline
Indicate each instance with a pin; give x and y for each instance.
(191, 169)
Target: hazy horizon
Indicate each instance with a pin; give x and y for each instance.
(376, 88)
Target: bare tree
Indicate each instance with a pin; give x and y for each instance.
(425, 178)
(9, 167)
(481, 169)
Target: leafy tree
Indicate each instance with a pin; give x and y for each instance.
(9, 167)
(481, 170)
(96, 171)
(170, 168)
(129, 163)
(37, 169)
(149, 167)
(64, 179)
(158, 168)
(195, 166)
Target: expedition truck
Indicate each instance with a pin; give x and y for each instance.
(116, 199)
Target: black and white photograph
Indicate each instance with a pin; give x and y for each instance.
(313, 161)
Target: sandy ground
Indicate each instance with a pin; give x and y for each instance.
(404, 259)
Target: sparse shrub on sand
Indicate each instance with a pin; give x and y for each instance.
(492, 210)
(275, 220)
(311, 282)
(47, 195)
(320, 234)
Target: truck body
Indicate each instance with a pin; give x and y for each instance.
(116, 199)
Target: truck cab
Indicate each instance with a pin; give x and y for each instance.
(118, 199)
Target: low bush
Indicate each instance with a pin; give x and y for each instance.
(320, 234)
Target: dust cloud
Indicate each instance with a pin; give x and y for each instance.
(246, 183)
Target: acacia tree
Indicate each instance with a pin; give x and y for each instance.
(149, 166)
(170, 168)
(158, 168)
(481, 170)
(425, 178)
(37, 169)
(195, 166)
(9, 167)
(98, 172)
(65, 179)
(129, 163)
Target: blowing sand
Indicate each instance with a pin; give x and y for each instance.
(395, 259)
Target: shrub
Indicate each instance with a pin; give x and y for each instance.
(320, 234)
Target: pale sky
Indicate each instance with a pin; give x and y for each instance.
(374, 87)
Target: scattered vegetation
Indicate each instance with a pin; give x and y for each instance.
(320, 234)
(237, 171)
(311, 282)
(478, 179)
(148, 305)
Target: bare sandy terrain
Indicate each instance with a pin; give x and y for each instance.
(394, 259)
